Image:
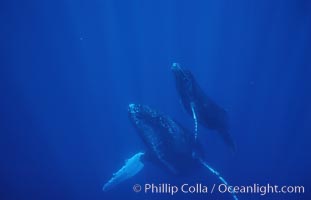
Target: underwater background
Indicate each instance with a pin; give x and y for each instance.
(70, 68)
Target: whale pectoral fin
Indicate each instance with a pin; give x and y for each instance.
(206, 165)
(131, 167)
(192, 105)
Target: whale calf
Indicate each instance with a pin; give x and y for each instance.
(202, 108)
(168, 144)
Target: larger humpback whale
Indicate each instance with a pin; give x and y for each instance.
(168, 144)
(202, 108)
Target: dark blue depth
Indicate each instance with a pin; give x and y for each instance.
(69, 69)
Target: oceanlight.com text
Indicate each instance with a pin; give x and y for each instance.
(261, 189)
(199, 188)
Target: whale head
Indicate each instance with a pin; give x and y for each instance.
(185, 83)
(166, 140)
(140, 113)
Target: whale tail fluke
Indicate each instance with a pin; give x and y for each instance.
(206, 165)
(131, 167)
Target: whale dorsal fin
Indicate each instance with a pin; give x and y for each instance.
(131, 167)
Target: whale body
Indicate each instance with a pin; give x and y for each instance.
(167, 143)
(200, 106)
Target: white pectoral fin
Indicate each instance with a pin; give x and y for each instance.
(131, 167)
(219, 176)
(195, 119)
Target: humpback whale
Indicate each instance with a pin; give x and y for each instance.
(202, 108)
(168, 144)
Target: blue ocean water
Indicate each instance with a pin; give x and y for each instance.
(69, 69)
